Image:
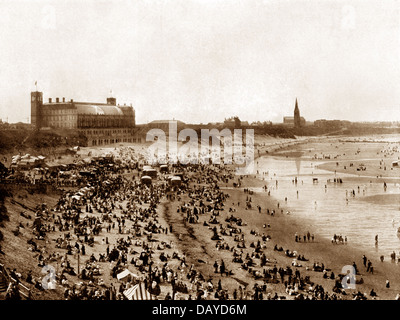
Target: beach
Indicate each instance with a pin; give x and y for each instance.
(268, 221)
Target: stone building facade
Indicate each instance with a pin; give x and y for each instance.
(101, 123)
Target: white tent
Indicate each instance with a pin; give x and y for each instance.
(137, 292)
(146, 179)
(124, 274)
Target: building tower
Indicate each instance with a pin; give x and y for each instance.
(112, 101)
(297, 123)
(36, 106)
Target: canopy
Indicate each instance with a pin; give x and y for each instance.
(146, 178)
(124, 274)
(150, 172)
(137, 292)
(176, 181)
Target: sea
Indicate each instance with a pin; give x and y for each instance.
(352, 208)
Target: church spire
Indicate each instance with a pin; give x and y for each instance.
(296, 115)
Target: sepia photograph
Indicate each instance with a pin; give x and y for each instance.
(218, 151)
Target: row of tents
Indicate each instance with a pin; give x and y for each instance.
(149, 173)
(26, 161)
(172, 180)
(83, 191)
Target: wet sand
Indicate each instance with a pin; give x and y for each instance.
(284, 227)
(282, 230)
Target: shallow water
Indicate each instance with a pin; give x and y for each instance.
(324, 203)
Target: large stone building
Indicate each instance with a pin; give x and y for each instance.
(101, 123)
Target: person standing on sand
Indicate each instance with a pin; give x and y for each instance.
(364, 258)
(369, 264)
(222, 267)
(393, 256)
(215, 266)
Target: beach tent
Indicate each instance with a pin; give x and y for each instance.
(150, 172)
(179, 174)
(146, 180)
(124, 274)
(137, 292)
(164, 168)
(176, 181)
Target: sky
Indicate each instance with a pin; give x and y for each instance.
(202, 61)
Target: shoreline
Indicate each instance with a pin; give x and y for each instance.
(334, 256)
(194, 240)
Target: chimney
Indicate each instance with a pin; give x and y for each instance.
(57, 100)
(49, 100)
(63, 99)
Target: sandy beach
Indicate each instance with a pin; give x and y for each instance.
(193, 240)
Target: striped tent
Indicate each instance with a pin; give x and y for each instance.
(3, 283)
(137, 292)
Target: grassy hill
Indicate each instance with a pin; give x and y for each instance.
(22, 139)
(15, 246)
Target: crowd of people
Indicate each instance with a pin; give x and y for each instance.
(117, 224)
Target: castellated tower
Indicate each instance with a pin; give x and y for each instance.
(36, 106)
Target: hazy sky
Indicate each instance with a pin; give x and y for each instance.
(202, 61)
